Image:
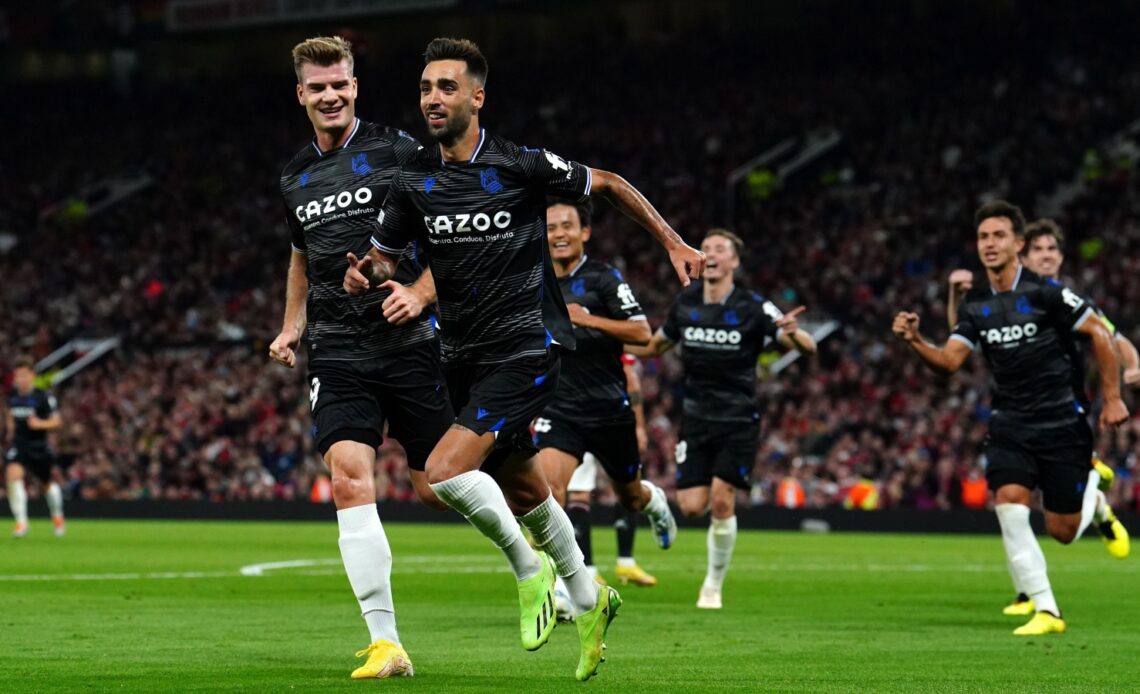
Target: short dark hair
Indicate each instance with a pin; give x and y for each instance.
(458, 49)
(1001, 208)
(736, 241)
(1043, 227)
(24, 362)
(584, 208)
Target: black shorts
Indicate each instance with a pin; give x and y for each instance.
(351, 400)
(614, 445)
(710, 449)
(1056, 459)
(38, 460)
(504, 399)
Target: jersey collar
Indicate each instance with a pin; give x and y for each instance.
(1016, 280)
(579, 265)
(723, 301)
(355, 127)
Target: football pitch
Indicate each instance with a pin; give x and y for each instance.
(227, 606)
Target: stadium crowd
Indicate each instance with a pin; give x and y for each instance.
(190, 271)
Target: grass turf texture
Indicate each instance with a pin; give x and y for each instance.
(820, 613)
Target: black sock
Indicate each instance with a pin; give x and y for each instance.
(580, 518)
(625, 524)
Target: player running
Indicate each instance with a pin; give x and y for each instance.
(478, 203)
(1038, 435)
(373, 358)
(32, 413)
(591, 409)
(722, 329)
(580, 490)
(1042, 254)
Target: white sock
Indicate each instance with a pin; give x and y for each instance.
(18, 500)
(657, 506)
(721, 541)
(55, 500)
(368, 563)
(1089, 502)
(478, 498)
(554, 534)
(1100, 515)
(1026, 559)
(626, 561)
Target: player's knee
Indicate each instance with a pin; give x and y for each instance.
(632, 496)
(1063, 532)
(428, 498)
(14, 472)
(693, 508)
(352, 490)
(523, 500)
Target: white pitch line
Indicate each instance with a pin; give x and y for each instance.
(484, 564)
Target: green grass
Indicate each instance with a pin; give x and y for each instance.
(818, 613)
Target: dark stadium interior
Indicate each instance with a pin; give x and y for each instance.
(936, 107)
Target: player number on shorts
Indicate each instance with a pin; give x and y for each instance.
(681, 451)
(314, 392)
(541, 425)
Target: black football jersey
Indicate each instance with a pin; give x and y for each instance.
(720, 344)
(591, 388)
(1024, 334)
(38, 403)
(1077, 346)
(332, 200)
(482, 225)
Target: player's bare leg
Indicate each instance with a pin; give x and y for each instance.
(17, 498)
(720, 496)
(647, 498)
(558, 467)
(367, 557)
(54, 497)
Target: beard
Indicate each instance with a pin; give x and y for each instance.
(452, 130)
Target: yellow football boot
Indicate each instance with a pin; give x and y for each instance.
(1106, 473)
(1041, 624)
(385, 659)
(634, 574)
(1019, 607)
(1114, 534)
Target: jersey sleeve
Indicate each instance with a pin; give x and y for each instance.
(48, 406)
(1065, 308)
(770, 314)
(965, 331)
(404, 146)
(618, 298)
(296, 231)
(554, 175)
(670, 328)
(394, 230)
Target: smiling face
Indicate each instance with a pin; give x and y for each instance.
(998, 245)
(1044, 256)
(721, 258)
(450, 99)
(328, 93)
(565, 233)
(24, 379)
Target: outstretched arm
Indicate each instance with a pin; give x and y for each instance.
(369, 272)
(658, 344)
(630, 331)
(687, 261)
(945, 360)
(283, 349)
(1114, 412)
(792, 336)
